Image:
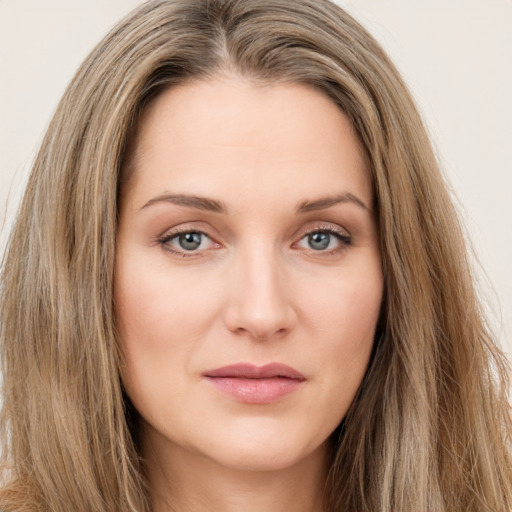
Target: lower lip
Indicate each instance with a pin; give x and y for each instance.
(255, 391)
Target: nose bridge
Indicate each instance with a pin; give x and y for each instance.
(259, 302)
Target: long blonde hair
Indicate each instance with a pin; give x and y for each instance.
(430, 427)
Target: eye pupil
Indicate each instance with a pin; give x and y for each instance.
(189, 241)
(319, 241)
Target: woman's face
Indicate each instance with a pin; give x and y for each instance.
(248, 276)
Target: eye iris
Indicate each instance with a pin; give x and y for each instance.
(319, 241)
(189, 241)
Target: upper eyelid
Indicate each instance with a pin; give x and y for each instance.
(185, 228)
(341, 235)
(328, 227)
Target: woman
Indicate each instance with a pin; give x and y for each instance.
(237, 282)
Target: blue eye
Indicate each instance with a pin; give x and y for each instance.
(324, 240)
(319, 241)
(186, 242)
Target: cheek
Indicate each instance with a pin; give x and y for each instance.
(154, 305)
(347, 304)
(343, 320)
(160, 320)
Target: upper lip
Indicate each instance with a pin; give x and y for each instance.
(251, 371)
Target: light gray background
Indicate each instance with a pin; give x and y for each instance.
(455, 55)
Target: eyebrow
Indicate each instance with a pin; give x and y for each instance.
(213, 205)
(327, 202)
(199, 203)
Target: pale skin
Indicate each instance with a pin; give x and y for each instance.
(246, 235)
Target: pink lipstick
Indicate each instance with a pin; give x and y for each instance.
(252, 384)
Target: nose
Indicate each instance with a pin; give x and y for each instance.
(259, 301)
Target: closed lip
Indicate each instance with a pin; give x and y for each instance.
(251, 371)
(251, 384)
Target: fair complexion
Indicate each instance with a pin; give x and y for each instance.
(246, 237)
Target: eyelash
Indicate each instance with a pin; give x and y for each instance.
(168, 236)
(343, 239)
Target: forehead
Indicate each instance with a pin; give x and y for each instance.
(231, 135)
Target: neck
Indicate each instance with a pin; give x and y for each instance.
(181, 481)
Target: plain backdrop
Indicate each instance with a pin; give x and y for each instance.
(455, 55)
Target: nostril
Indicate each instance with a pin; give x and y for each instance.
(264, 334)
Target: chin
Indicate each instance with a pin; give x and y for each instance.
(256, 459)
(259, 449)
